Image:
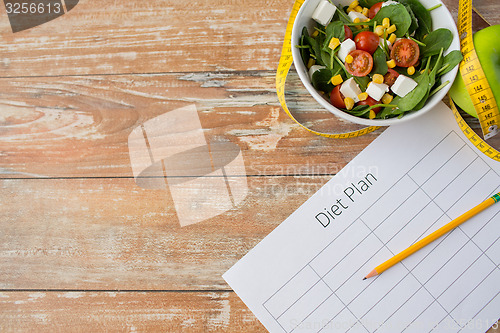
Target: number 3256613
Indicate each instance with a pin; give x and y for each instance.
(32, 8)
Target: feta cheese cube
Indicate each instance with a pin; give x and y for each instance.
(388, 3)
(313, 69)
(403, 85)
(381, 43)
(346, 47)
(377, 90)
(354, 14)
(324, 12)
(350, 89)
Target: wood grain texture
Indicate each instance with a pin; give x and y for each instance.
(111, 37)
(115, 311)
(79, 126)
(111, 234)
(159, 36)
(84, 311)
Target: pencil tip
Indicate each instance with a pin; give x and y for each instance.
(364, 278)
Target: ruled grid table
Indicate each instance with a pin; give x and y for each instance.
(435, 289)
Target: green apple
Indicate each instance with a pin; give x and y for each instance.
(487, 45)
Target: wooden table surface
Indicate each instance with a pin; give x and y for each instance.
(83, 247)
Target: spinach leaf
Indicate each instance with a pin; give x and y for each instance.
(437, 65)
(389, 112)
(334, 29)
(321, 80)
(450, 60)
(435, 41)
(367, 3)
(326, 57)
(379, 62)
(316, 49)
(305, 47)
(341, 15)
(423, 15)
(362, 81)
(360, 110)
(414, 20)
(398, 15)
(413, 98)
(422, 102)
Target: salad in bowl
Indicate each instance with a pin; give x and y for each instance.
(376, 62)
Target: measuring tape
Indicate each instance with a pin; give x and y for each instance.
(286, 61)
(475, 139)
(473, 75)
(470, 68)
(477, 86)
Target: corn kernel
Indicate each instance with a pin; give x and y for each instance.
(334, 42)
(310, 63)
(356, 20)
(358, 8)
(391, 63)
(363, 96)
(349, 103)
(386, 22)
(372, 114)
(391, 29)
(365, 11)
(387, 98)
(410, 70)
(378, 78)
(348, 10)
(336, 80)
(349, 59)
(379, 30)
(392, 38)
(354, 4)
(315, 33)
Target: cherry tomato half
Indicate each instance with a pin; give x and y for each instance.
(370, 101)
(405, 52)
(390, 77)
(336, 98)
(374, 10)
(362, 63)
(366, 41)
(348, 32)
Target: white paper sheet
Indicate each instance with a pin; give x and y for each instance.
(306, 276)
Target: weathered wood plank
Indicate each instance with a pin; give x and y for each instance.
(90, 311)
(111, 234)
(114, 37)
(79, 126)
(84, 311)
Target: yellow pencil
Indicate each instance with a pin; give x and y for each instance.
(435, 235)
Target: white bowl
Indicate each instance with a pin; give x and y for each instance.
(441, 18)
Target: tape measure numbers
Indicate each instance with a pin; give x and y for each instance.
(285, 63)
(474, 77)
(474, 138)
